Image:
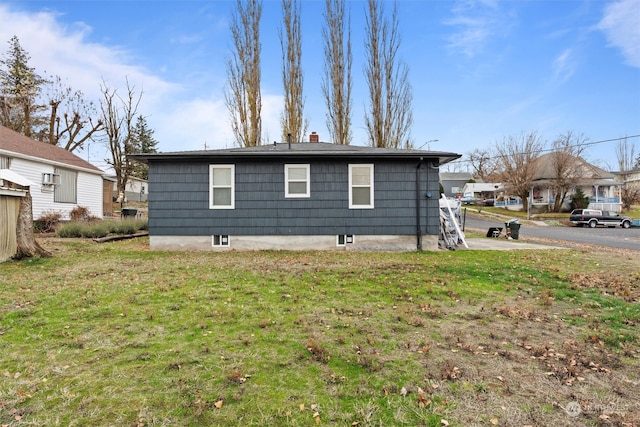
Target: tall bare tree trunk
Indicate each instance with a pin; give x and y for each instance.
(293, 121)
(243, 97)
(336, 84)
(390, 114)
(27, 244)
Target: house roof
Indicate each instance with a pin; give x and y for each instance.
(455, 176)
(11, 176)
(301, 150)
(482, 187)
(582, 170)
(18, 145)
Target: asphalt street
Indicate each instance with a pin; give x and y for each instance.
(619, 238)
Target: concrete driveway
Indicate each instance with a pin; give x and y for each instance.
(502, 244)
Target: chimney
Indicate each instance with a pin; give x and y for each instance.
(314, 137)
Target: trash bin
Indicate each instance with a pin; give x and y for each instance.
(512, 229)
(129, 212)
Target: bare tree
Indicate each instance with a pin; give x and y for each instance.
(484, 164)
(118, 114)
(516, 159)
(243, 96)
(293, 121)
(566, 164)
(336, 83)
(625, 153)
(630, 191)
(20, 87)
(390, 114)
(72, 120)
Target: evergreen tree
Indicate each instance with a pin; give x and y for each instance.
(20, 87)
(579, 200)
(142, 142)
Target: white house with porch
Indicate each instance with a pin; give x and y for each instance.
(596, 183)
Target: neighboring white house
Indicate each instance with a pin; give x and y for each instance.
(596, 183)
(63, 181)
(136, 189)
(479, 191)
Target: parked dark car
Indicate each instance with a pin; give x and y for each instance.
(594, 217)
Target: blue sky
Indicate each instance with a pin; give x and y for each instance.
(480, 70)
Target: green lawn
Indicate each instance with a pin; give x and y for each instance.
(115, 335)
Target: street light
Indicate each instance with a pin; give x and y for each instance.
(427, 143)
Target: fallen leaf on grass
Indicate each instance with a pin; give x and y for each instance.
(219, 404)
(422, 399)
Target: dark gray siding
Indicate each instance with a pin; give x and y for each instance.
(179, 200)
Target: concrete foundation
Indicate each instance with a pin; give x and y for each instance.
(293, 243)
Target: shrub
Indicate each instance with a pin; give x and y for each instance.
(579, 200)
(80, 213)
(95, 230)
(47, 222)
(124, 227)
(70, 229)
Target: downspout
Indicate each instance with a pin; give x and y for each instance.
(418, 198)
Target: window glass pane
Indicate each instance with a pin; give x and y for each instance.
(361, 176)
(221, 176)
(298, 173)
(361, 196)
(297, 188)
(222, 196)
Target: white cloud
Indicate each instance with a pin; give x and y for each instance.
(564, 66)
(204, 122)
(61, 50)
(180, 121)
(621, 25)
(476, 21)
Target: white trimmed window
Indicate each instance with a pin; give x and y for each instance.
(361, 186)
(221, 186)
(297, 180)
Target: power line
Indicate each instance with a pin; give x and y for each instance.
(545, 150)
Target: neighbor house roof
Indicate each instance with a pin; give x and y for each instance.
(18, 145)
(456, 176)
(302, 150)
(581, 170)
(482, 187)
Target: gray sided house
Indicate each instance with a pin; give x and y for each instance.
(295, 196)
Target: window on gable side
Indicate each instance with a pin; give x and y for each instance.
(297, 180)
(361, 186)
(221, 186)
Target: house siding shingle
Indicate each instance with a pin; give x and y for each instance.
(179, 194)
